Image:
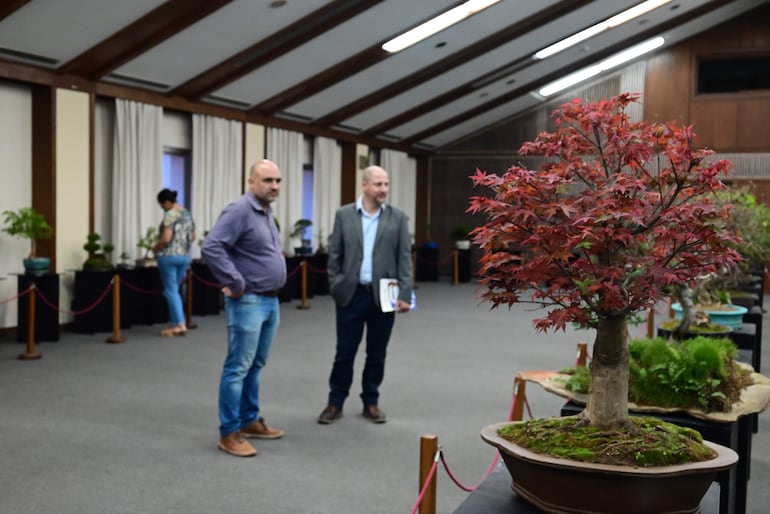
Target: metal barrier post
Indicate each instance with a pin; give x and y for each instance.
(188, 311)
(582, 354)
(456, 270)
(520, 396)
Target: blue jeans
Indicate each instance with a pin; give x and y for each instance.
(252, 321)
(173, 269)
(362, 310)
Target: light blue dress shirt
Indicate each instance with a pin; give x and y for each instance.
(369, 226)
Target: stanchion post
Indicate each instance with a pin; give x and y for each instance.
(303, 305)
(188, 310)
(456, 267)
(651, 323)
(428, 449)
(116, 337)
(31, 353)
(414, 269)
(520, 397)
(582, 358)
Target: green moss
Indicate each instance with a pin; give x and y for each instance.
(647, 442)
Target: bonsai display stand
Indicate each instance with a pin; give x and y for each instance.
(495, 496)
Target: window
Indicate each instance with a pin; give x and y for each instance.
(730, 75)
(176, 174)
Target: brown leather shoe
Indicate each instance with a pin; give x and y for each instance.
(374, 414)
(329, 415)
(258, 430)
(234, 444)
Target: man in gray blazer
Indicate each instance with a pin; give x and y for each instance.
(370, 241)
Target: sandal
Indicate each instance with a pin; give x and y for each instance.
(173, 331)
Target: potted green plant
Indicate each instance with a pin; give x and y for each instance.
(299, 230)
(27, 223)
(459, 234)
(97, 253)
(617, 217)
(146, 243)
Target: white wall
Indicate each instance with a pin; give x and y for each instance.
(16, 190)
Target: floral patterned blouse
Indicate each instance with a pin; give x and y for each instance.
(182, 227)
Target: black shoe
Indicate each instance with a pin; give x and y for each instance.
(329, 415)
(374, 414)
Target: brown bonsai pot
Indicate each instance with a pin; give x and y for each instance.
(563, 486)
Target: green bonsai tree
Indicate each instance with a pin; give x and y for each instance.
(97, 260)
(148, 241)
(29, 224)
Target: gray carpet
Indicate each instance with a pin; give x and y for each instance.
(94, 428)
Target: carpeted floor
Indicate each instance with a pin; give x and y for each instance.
(95, 428)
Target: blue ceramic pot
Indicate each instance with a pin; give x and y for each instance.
(731, 316)
(37, 266)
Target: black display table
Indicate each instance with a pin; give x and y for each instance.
(463, 265)
(495, 496)
(317, 279)
(733, 483)
(89, 286)
(207, 297)
(46, 317)
(151, 307)
(427, 264)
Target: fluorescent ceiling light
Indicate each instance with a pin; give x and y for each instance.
(618, 19)
(607, 64)
(437, 24)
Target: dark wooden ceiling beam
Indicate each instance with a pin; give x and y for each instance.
(561, 72)
(337, 73)
(285, 40)
(151, 29)
(446, 64)
(10, 6)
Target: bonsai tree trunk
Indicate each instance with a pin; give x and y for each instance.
(688, 311)
(607, 404)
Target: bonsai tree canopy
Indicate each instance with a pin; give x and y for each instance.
(27, 223)
(619, 215)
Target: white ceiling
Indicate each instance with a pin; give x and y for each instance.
(52, 33)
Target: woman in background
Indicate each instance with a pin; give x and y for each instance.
(176, 234)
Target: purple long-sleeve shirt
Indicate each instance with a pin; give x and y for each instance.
(243, 249)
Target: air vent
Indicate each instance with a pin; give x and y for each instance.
(135, 82)
(38, 60)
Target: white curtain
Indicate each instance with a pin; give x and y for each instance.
(137, 173)
(402, 172)
(327, 180)
(217, 164)
(285, 148)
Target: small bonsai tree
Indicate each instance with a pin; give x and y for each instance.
(460, 232)
(96, 259)
(300, 226)
(148, 241)
(29, 224)
(619, 214)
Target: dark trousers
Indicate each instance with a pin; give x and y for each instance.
(362, 310)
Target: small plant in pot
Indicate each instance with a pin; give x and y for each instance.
(459, 235)
(299, 230)
(619, 213)
(97, 253)
(27, 223)
(146, 243)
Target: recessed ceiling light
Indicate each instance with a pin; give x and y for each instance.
(277, 3)
(440, 44)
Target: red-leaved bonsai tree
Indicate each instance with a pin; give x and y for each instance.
(619, 214)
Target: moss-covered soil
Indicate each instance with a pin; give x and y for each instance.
(647, 442)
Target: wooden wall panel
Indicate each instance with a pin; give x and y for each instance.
(753, 125)
(667, 85)
(714, 122)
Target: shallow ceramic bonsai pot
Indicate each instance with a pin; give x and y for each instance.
(37, 265)
(732, 317)
(564, 486)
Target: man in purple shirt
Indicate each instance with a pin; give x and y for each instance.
(243, 251)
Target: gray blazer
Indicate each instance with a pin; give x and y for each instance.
(391, 258)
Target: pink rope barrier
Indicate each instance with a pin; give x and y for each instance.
(12, 298)
(316, 270)
(138, 289)
(425, 486)
(91, 307)
(206, 282)
(293, 272)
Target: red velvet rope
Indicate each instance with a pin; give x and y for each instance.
(12, 298)
(78, 312)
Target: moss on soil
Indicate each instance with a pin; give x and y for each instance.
(647, 442)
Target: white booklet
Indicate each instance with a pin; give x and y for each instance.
(389, 295)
